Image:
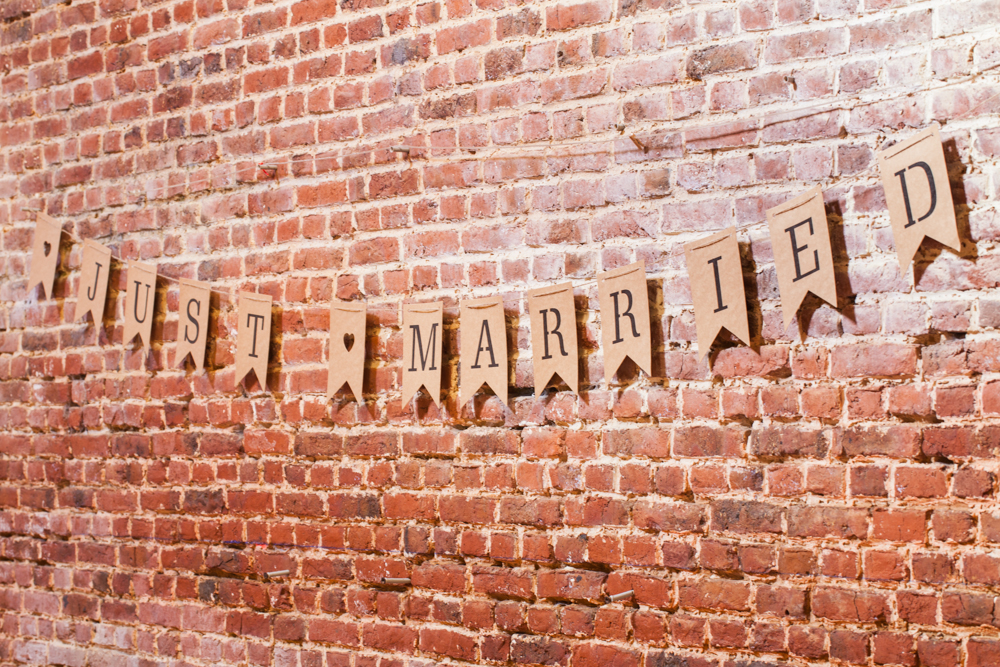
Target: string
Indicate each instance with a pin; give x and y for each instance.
(710, 243)
(826, 106)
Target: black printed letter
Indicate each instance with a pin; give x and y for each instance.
(485, 331)
(197, 327)
(554, 332)
(251, 316)
(906, 195)
(418, 343)
(718, 284)
(796, 249)
(92, 293)
(145, 304)
(627, 313)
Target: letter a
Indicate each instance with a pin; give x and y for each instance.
(482, 336)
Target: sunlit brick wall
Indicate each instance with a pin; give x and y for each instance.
(827, 496)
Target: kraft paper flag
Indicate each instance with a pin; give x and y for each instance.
(347, 347)
(483, 334)
(192, 331)
(716, 275)
(553, 336)
(44, 254)
(625, 329)
(95, 269)
(917, 192)
(423, 339)
(253, 338)
(139, 301)
(803, 257)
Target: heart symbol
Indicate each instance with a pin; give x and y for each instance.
(348, 341)
(47, 248)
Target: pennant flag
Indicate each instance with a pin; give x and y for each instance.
(253, 338)
(44, 254)
(554, 342)
(192, 331)
(803, 257)
(625, 332)
(347, 347)
(483, 335)
(423, 342)
(95, 270)
(139, 301)
(716, 275)
(918, 194)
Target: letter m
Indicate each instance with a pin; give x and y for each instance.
(418, 345)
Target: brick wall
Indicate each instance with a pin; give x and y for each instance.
(828, 497)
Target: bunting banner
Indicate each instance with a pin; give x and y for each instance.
(716, 274)
(192, 332)
(483, 355)
(95, 269)
(554, 343)
(803, 256)
(253, 337)
(423, 339)
(918, 194)
(914, 176)
(44, 254)
(625, 332)
(139, 301)
(348, 321)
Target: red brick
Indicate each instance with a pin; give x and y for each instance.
(161, 47)
(719, 59)
(816, 459)
(569, 16)
(849, 605)
(598, 655)
(899, 526)
(213, 34)
(873, 361)
(923, 482)
(893, 648)
(715, 595)
(310, 11)
(463, 37)
(503, 582)
(817, 43)
(571, 585)
(449, 643)
(87, 65)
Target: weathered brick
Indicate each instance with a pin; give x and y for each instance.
(853, 459)
(723, 58)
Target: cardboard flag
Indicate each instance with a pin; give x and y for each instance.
(139, 301)
(918, 194)
(253, 338)
(716, 274)
(44, 254)
(347, 347)
(625, 331)
(483, 334)
(554, 342)
(423, 342)
(803, 257)
(192, 330)
(95, 269)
